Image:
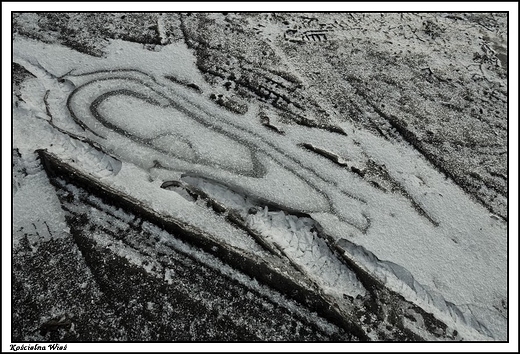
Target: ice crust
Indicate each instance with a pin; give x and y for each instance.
(152, 130)
(295, 236)
(302, 246)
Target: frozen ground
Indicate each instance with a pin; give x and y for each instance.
(336, 176)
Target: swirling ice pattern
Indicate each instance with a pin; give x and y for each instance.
(185, 136)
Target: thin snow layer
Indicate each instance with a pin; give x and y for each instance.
(451, 246)
(30, 219)
(215, 263)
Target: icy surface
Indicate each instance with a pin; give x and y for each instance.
(431, 242)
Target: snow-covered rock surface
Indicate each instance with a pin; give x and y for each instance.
(358, 159)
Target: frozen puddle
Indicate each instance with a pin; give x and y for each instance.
(449, 252)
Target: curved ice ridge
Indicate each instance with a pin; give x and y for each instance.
(400, 280)
(250, 163)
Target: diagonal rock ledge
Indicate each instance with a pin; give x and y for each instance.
(264, 270)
